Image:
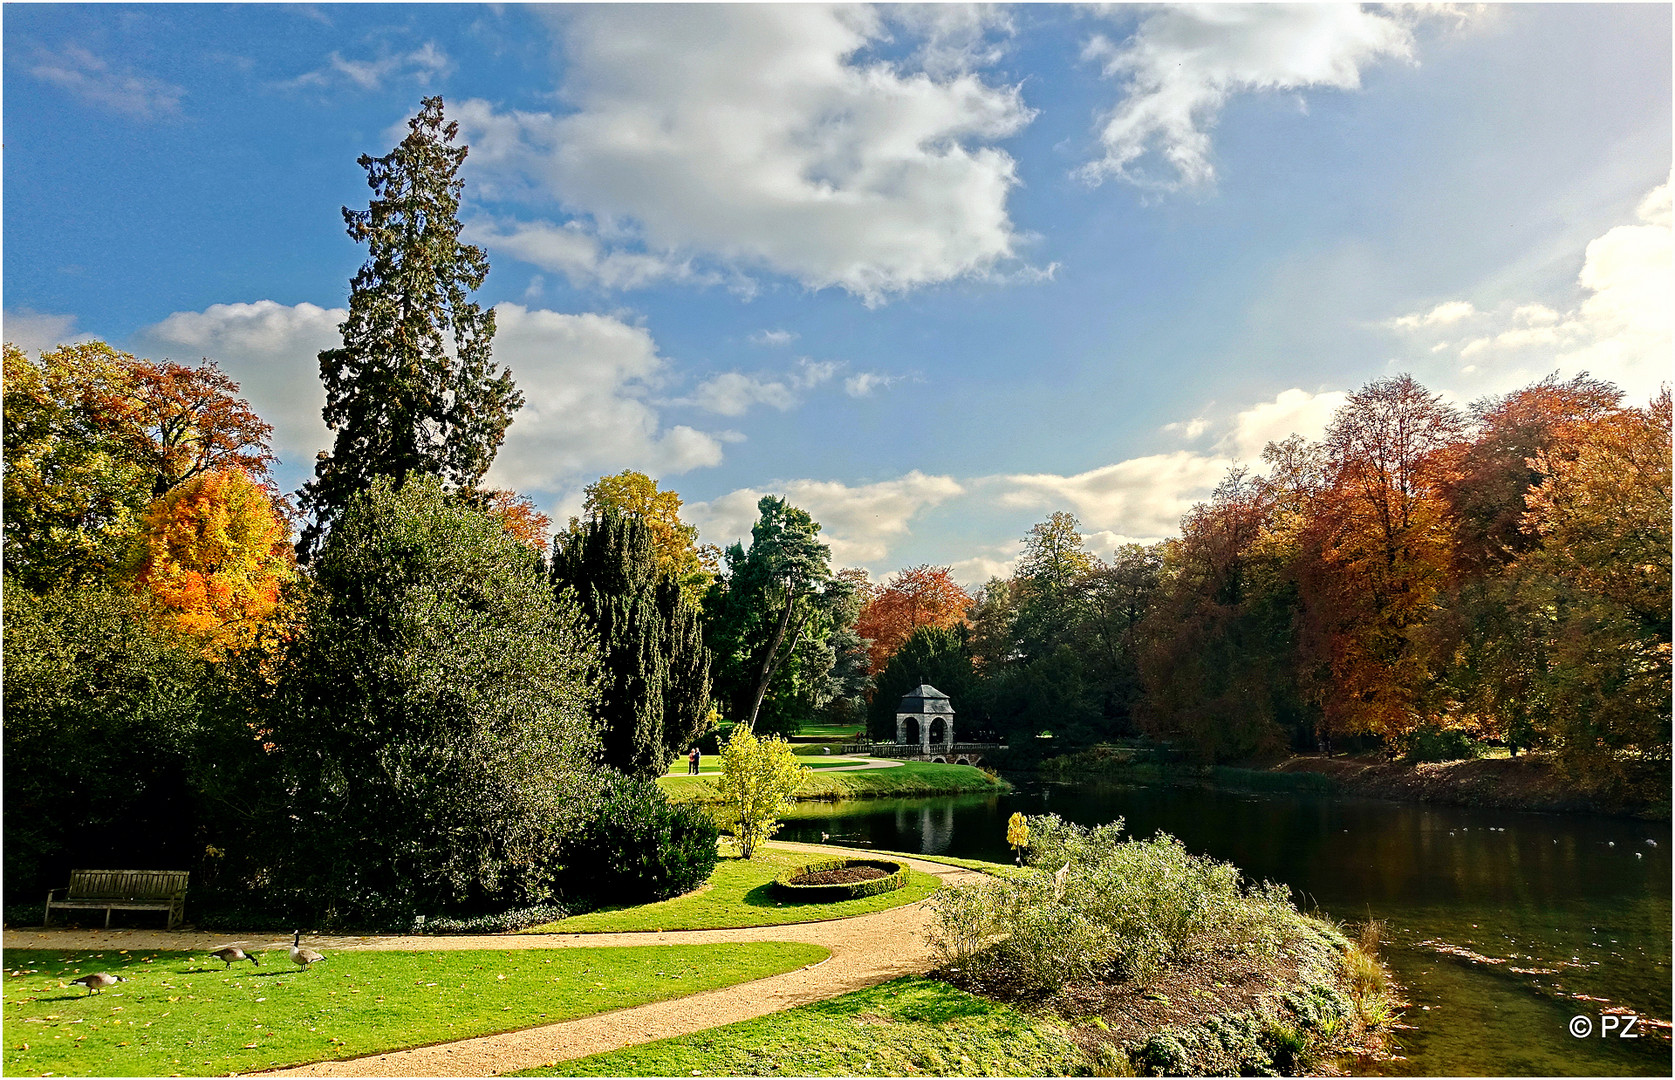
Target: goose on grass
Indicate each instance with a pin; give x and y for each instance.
(300, 956)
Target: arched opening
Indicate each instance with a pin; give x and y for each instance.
(912, 730)
(940, 760)
(939, 730)
(961, 761)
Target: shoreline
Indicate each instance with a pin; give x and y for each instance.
(1529, 783)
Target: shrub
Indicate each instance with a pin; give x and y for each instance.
(894, 878)
(1432, 743)
(504, 922)
(1099, 906)
(639, 847)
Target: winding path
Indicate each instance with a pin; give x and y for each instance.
(866, 950)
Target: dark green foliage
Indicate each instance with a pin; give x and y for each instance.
(103, 713)
(1432, 743)
(655, 694)
(639, 847)
(933, 655)
(771, 617)
(434, 715)
(499, 922)
(413, 388)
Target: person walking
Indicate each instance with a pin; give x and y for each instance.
(693, 759)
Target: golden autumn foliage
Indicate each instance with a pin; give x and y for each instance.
(214, 552)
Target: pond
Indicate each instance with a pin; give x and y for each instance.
(1502, 927)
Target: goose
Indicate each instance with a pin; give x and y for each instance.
(97, 981)
(232, 954)
(300, 956)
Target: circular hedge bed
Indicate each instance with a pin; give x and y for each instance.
(840, 879)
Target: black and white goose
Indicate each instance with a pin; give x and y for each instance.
(232, 954)
(97, 981)
(301, 956)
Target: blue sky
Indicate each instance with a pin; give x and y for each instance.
(934, 272)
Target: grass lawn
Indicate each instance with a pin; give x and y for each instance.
(181, 1013)
(711, 765)
(900, 1028)
(911, 778)
(837, 732)
(740, 894)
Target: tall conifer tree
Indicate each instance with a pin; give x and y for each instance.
(413, 388)
(656, 690)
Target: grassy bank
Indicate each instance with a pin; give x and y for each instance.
(739, 893)
(901, 1028)
(909, 779)
(1529, 782)
(181, 1013)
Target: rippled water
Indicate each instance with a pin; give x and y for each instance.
(1502, 927)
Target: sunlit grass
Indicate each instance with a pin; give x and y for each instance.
(181, 1013)
(906, 1027)
(740, 893)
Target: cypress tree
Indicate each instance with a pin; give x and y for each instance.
(655, 694)
(413, 388)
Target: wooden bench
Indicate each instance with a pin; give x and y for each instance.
(124, 890)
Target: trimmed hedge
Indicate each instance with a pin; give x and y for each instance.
(895, 877)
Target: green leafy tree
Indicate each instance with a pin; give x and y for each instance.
(655, 694)
(935, 655)
(104, 709)
(773, 612)
(758, 776)
(413, 388)
(434, 713)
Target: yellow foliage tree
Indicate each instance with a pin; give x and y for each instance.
(214, 552)
(757, 779)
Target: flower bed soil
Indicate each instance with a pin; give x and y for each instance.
(843, 875)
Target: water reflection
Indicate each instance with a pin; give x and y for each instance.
(1502, 925)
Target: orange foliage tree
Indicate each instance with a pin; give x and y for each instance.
(922, 595)
(519, 517)
(1377, 545)
(214, 553)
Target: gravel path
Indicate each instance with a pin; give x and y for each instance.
(866, 950)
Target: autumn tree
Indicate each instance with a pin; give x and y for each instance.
(1218, 652)
(1378, 548)
(655, 693)
(214, 552)
(413, 389)
(1603, 518)
(674, 542)
(92, 435)
(918, 596)
(518, 516)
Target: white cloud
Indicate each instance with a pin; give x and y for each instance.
(863, 384)
(734, 393)
(96, 82)
(1292, 412)
(997, 562)
(773, 338)
(1140, 497)
(956, 38)
(36, 331)
(579, 255)
(272, 351)
(585, 381)
(1619, 330)
(1188, 429)
(860, 523)
(422, 65)
(1444, 314)
(1183, 63)
(753, 137)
